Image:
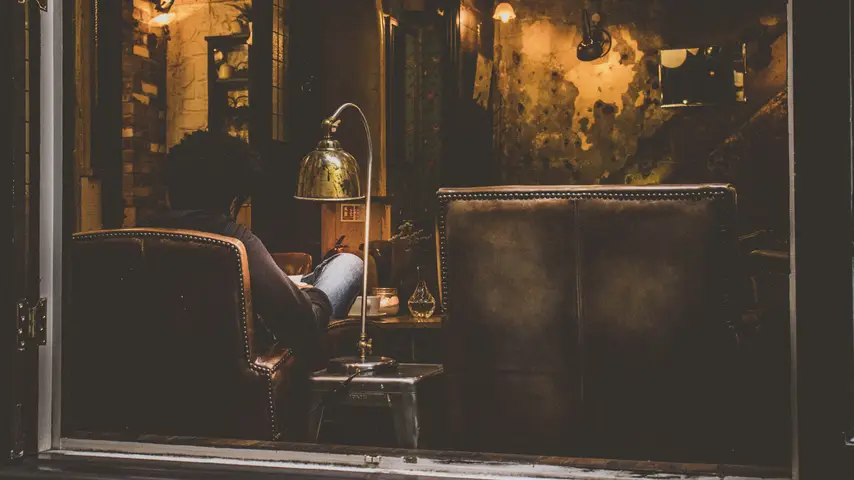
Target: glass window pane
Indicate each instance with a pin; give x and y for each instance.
(608, 298)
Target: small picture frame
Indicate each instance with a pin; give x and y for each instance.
(352, 213)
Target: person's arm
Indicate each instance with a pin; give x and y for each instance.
(292, 314)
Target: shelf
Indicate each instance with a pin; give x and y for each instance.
(233, 39)
(235, 80)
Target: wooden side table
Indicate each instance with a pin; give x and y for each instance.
(411, 393)
(409, 322)
(414, 340)
(398, 322)
(406, 339)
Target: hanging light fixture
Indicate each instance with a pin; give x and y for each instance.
(504, 12)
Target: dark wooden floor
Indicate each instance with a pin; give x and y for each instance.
(88, 468)
(82, 468)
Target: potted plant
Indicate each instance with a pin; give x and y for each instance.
(412, 249)
(244, 18)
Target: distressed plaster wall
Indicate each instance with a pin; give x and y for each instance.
(563, 121)
(187, 77)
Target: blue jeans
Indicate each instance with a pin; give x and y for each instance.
(340, 278)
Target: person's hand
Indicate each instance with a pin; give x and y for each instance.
(302, 285)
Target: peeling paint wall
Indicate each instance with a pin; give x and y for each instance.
(563, 121)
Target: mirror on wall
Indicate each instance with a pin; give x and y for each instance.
(710, 75)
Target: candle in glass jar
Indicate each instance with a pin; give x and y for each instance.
(389, 301)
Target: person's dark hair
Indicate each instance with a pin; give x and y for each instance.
(209, 170)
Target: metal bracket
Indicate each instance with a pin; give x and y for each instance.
(41, 3)
(32, 323)
(17, 450)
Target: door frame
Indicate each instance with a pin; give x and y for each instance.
(57, 217)
(7, 295)
(21, 137)
(821, 291)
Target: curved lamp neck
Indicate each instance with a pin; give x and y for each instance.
(329, 125)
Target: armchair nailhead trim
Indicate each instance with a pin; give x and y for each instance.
(267, 373)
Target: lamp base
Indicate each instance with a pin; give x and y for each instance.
(354, 364)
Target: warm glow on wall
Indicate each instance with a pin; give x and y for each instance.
(504, 12)
(161, 20)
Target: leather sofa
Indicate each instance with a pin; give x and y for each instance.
(160, 339)
(591, 320)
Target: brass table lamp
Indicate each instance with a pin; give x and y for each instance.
(330, 174)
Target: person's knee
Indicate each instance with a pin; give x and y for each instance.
(350, 261)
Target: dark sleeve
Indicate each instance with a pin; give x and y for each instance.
(292, 315)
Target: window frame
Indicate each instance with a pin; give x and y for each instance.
(816, 425)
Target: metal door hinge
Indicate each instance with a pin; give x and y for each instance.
(32, 323)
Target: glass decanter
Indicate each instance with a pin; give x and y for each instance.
(421, 303)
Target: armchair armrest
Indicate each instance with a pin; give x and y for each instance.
(273, 359)
(286, 387)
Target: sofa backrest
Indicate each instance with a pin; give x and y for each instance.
(589, 320)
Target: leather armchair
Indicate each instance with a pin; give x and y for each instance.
(590, 320)
(161, 340)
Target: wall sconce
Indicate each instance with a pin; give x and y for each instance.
(163, 17)
(596, 41)
(163, 5)
(504, 12)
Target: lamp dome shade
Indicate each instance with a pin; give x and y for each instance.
(329, 174)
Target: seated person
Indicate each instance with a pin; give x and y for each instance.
(208, 177)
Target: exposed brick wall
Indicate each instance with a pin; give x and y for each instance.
(143, 112)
